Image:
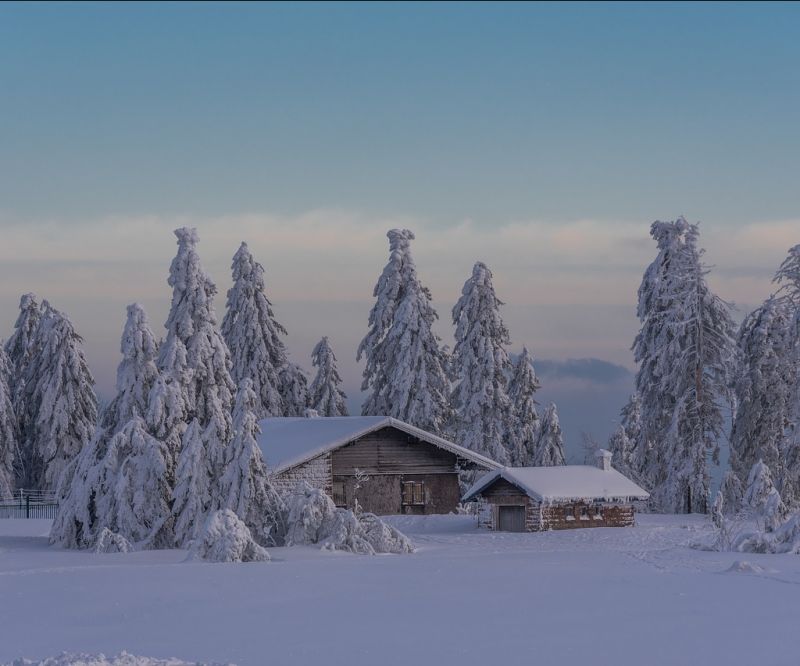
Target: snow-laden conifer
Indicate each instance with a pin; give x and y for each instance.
(136, 373)
(121, 481)
(732, 492)
(254, 335)
(294, 389)
(59, 407)
(325, 394)
(684, 351)
(192, 496)
(626, 443)
(525, 429)
(194, 354)
(8, 430)
(762, 498)
(764, 386)
(245, 485)
(141, 511)
(405, 369)
(550, 441)
(788, 277)
(21, 345)
(481, 366)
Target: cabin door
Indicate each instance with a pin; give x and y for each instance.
(511, 518)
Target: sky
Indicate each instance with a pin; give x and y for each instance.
(542, 139)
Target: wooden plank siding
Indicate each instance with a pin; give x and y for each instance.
(555, 515)
(387, 458)
(391, 451)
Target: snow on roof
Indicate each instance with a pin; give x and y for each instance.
(564, 482)
(290, 441)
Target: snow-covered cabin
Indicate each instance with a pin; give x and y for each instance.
(391, 467)
(530, 499)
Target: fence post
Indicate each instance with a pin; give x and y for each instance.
(27, 506)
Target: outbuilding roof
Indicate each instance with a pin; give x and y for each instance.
(290, 441)
(564, 482)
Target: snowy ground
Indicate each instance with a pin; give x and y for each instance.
(599, 596)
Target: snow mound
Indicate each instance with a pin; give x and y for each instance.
(315, 519)
(111, 542)
(122, 659)
(225, 538)
(743, 566)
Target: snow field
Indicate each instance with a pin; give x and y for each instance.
(467, 596)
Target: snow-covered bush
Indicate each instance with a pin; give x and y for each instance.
(383, 537)
(225, 538)
(111, 542)
(315, 519)
(762, 498)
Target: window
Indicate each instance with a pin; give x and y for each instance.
(584, 513)
(598, 513)
(413, 493)
(339, 498)
(569, 512)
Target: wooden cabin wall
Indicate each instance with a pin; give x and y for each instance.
(554, 516)
(391, 451)
(383, 493)
(386, 458)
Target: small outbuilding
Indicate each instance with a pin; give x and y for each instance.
(388, 466)
(532, 499)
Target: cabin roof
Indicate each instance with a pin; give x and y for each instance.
(564, 482)
(290, 441)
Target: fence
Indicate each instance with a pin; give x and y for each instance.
(29, 504)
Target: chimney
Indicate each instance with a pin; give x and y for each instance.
(311, 414)
(603, 458)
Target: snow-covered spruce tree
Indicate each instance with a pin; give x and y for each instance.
(732, 492)
(525, 429)
(764, 386)
(481, 366)
(20, 346)
(143, 492)
(406, 367)
(194, 353)
(137, 372)
(762, 499)
(254, 335)
(626, 443)
(102, 485)
(192, 497)
(57, 402)
(685, 352)
(788, 277)
(550, 441)
(246, 487)
(294, 389)
(325, 395)
(8, 429)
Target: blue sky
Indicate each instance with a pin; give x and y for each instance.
(542, 139)
(482, 111)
